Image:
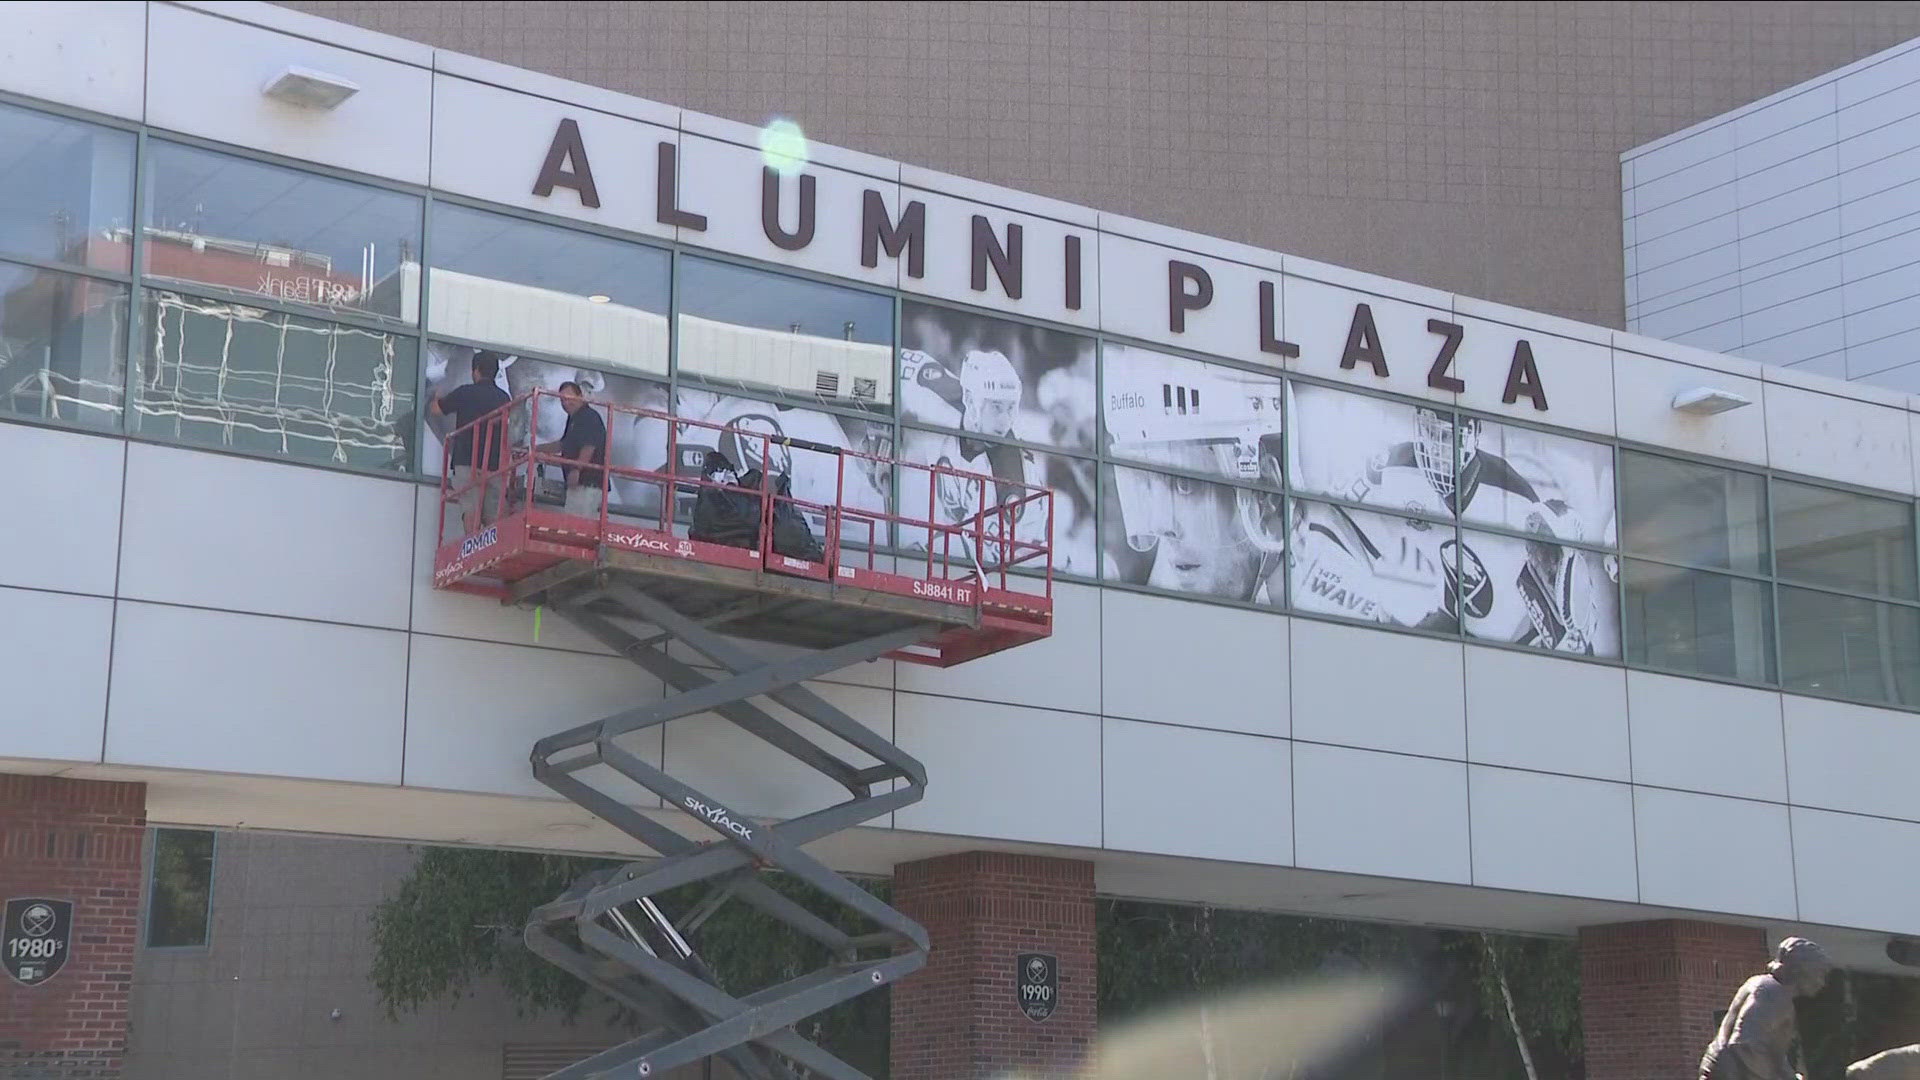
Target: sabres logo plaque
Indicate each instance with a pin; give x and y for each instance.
(1037, 984)
(35, 939)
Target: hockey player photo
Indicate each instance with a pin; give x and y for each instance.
(754, 436)
(1411, 569)
(632, 441)
(995, 379)
(986, 380)
(1178, 532)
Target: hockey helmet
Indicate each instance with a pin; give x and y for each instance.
(1202, 419)
(1434, 447)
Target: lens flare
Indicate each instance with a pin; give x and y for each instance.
(783, 146)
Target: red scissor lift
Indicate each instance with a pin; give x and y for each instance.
(875, 579)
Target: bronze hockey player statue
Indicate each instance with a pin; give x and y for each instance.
(1755, 1038)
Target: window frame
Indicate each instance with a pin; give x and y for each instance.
(150, 864)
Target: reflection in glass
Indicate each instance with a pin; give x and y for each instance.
(1369, 450)
(521, 285)
(62, 346)
(995, 379)
(1191, 536)
(66, 190)
(1540, 594)
(1691, 513)
(1533, 482)
(1180, 413)
(1380, 568)
(1841, 646)
(263, 382)
(1699, 623)
(179, 888)
(800, 337)
(266, 230)
(632, 441)
(1853, 542)
(956, 499)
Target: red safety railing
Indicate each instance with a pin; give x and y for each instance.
(976, 527)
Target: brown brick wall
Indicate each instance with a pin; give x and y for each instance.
(1465, 145)
(957, 1018)
(77, 840)
(1649, 992)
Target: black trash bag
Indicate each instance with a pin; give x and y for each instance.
(792, 536)
(721, 516)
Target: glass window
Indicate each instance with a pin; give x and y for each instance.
(633, 441)
(180, 888)
(956, 499)
(66, 190)
(996, 379)
(1539, 593)
(62, 346)
(806, 338)
(1179, 413)
(266, 230)
(1695, 514)
(520, 285)
(1697, 622)
(1847, 541)
(262, 382)
(1381, 568)
(1533, 482)
(1370, 450)
(1191, 536)
(812, 462)
(1842, 646)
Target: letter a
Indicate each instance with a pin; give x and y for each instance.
(568, 148)
(1523, 378)
(1363, 343)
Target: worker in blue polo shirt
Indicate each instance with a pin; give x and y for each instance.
(585, 441)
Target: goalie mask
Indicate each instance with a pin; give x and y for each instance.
(742, 443)
(1220, 423)
(1434, 449)
(990, 391)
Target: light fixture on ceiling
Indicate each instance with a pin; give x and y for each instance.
(310, 89)
(1707, 400)
(600, 298)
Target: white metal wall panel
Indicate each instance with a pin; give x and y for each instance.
(62, 527)
(54, 654)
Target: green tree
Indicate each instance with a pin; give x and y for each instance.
(458, 916)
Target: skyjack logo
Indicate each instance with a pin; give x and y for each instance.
(644, 542)
(716, 815)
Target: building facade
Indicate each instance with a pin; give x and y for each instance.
(1372, 599)
(1784, 230)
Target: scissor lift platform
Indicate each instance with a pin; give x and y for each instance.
(971, 577)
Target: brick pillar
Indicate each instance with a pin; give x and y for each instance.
(959, 1018)
(1651, 992)
(74, 840)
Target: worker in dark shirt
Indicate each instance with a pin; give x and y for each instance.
(584, 440)
(479, 503)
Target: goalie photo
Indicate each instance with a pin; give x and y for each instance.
(1414, 563)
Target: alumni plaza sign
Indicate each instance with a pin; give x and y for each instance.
(864, 219)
